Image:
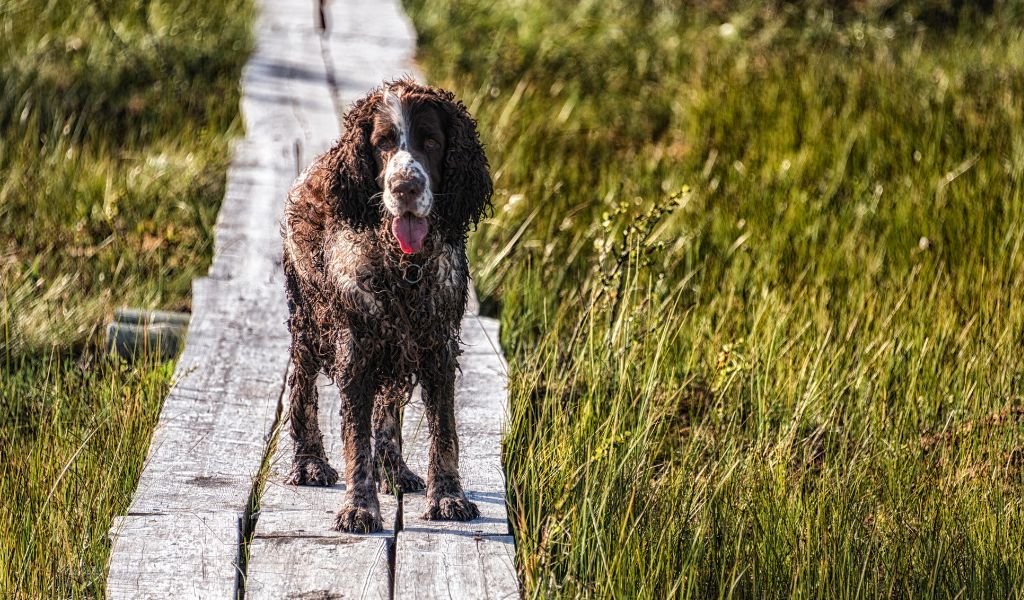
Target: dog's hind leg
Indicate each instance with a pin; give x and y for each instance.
(446, 500)
(393, 475)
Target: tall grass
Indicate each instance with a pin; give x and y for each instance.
(759, 273)
(115, 120)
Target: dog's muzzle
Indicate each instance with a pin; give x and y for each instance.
(408, 198)
(407, 186)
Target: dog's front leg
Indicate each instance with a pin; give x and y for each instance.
(361, 511)
(446, 500)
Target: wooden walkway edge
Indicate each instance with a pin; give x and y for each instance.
(211, 517)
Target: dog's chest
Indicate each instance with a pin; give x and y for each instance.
(429, 294)
(373, 283)
(418, 316)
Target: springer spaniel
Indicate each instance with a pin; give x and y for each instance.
(375, 262)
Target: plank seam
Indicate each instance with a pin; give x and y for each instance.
(399, 512)
(324, 29)
(247, 522)
(392, 550)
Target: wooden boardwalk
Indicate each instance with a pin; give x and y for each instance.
(211, 517)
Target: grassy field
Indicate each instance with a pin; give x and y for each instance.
(115, 119)
(759, 271)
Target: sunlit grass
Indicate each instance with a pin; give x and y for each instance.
(74, 437)
(758, 271)
(115, 120)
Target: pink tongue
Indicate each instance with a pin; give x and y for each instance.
(410, 232)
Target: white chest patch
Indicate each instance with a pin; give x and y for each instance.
(342, 256)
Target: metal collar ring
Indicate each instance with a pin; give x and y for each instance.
(417, 275)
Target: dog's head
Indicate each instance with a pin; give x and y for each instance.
(410, 159)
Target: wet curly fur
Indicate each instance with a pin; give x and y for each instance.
(356, 316)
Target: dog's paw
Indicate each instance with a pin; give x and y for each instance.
(358, 520)
(407, 482)
(451, 508)
(312, 471)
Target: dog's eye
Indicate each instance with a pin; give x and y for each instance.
(384, 145)
(431, 144)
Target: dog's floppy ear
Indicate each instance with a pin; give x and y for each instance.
(466, 180)
(350, 181)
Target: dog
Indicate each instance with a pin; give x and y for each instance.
(377, 277)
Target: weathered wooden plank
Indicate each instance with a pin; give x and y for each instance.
(214, 424)
(181, 535)
(148, 551)
(290, 117)
(480, 408)
(320, 567)
(295, 551)
(372, 23)
(480, 336)
(450, 565)
(369, 41)
(472, 302)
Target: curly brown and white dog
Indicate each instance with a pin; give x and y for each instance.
(375, 261)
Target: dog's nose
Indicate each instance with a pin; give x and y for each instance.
(407, 190)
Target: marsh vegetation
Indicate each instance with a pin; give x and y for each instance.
(759, 272)
(115, 119)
